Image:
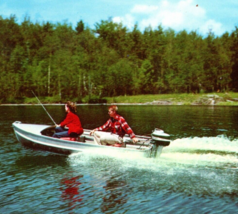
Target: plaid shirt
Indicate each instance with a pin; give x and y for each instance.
(118, 126)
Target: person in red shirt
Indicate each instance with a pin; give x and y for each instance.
(118, 126)
(71, 125)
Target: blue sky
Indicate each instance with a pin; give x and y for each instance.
(219, 16)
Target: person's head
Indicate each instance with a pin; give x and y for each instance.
(70, 106)
(112, 110)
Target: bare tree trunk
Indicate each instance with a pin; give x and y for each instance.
(49, 75)
(89, 86)
(59, 87)
(80, 84)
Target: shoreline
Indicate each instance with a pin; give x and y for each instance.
(223, 99)
(119, 104)
(79, 104)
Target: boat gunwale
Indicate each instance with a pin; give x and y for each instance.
(24, 133)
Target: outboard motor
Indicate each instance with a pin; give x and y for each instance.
(159, 140)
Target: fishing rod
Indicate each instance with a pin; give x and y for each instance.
(44, 108)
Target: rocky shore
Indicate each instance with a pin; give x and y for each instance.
(204, 100)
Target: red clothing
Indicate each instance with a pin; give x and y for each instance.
(72, 121)
(118, 126)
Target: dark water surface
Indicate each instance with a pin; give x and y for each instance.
(197, 173)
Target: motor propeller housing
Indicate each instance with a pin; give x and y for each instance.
(159, 139)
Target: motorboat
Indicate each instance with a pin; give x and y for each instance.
(39, 136)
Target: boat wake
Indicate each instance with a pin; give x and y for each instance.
(192, 166)
(217, 151)
(198, 151)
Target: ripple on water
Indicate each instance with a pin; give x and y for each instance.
(192, 174)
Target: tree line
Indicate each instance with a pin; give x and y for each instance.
(111, 60)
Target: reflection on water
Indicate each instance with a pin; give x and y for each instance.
(71, 191)
(38, 161)
(197, 173)
(193, 166)
(115, 194)
(176, 176)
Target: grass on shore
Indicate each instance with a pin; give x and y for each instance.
(227, 99)
(176, 99)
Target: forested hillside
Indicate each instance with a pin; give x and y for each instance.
(111, 60)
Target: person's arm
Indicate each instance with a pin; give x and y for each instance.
(102, 128)
(67, 120)
(128, 130)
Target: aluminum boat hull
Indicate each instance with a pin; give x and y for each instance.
(30, 135)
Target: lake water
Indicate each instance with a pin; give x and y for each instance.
(197, 173)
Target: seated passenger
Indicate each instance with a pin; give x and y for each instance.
(71, 126)
(118, 127)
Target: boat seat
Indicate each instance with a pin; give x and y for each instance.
(72, 137)
(116, 145)
(69, 138)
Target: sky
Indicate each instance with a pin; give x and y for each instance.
(202, 16)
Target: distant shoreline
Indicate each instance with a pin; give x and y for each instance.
(212, 99)
(78, 104)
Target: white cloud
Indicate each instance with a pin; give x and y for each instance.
(144, 9)
(181, 15)
(212, 26)
(128, 19)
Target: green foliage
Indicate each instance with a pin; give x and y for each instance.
(80, 27)
(94, 99)
(85, 65)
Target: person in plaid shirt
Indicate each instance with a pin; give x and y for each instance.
(118, 126)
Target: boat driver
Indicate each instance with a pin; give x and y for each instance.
(118, 126)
